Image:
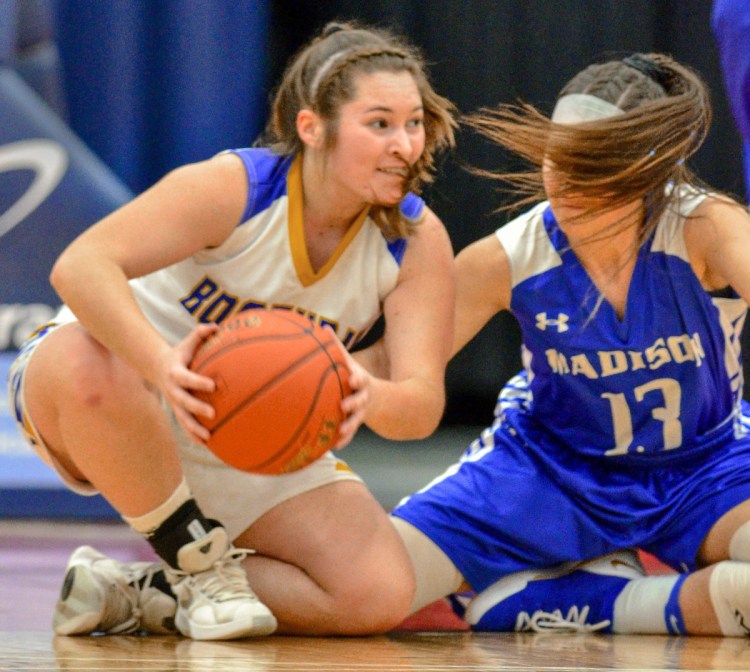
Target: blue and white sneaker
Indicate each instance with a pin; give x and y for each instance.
(573, 597)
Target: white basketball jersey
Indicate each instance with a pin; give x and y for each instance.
(264, 263)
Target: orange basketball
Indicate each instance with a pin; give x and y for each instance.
(280, 379)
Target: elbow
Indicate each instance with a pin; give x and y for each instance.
(60, 276)
(420, 424)
(426, 424)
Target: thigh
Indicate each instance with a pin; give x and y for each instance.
(338, 534)
(715, 546)
(704, 504)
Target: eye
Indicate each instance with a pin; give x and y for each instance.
(415, 123)
(379, 123)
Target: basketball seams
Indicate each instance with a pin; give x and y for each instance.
(228, 346)
(334, 363)
(302, 424)
(308, 329)
(276, 380)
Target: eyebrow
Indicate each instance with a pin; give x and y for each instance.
(382, 108)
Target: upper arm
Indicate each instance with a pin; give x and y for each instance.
(419, 311)
(483, 287)
(193, 207)
(717, 236)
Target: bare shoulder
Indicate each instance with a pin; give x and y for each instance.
(431, 226)
(716, 231)
(718, 208)
(430, 241)
(223, 171)
(212, 192)
(713, 219)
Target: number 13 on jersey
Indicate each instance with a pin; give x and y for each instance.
(668, 413)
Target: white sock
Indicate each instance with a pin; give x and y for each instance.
(640, 607)
(150, 521)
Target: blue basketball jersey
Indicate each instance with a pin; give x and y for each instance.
(618, 433)
(664, 380)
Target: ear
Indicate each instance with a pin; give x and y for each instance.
(310, 128)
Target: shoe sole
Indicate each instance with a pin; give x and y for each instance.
(258, 626)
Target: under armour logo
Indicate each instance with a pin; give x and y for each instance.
(542, 322)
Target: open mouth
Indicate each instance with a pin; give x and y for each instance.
(401, 171)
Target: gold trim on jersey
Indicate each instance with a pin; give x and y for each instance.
(295, 199)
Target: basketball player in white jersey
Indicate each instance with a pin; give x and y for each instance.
(627, 426)
(324, 220)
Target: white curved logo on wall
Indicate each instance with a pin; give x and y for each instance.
(48, 160)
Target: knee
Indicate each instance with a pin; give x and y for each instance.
(730, 598)
(739, 543)
(375, 606)
(85, 373)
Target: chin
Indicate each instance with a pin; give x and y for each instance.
(389, 199)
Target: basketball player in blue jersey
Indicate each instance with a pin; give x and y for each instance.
(323, 220)
(626, 428)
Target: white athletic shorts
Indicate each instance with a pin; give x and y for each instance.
(235, 498)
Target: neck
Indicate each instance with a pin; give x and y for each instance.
(325, 206)
(606, 243)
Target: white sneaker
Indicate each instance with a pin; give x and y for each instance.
(106, 596)
(218, 603)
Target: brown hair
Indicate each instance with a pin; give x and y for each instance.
(322, 77)
(621, 158)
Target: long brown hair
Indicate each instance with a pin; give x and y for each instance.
(622, 158)
(322, 77)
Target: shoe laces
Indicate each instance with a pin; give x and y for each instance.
(545, 621)
(226, 580)
(135, 578)
(113, 612)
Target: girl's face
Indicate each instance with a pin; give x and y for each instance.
(573, 206)
(578, 208)
(565, 207)
(380, 135)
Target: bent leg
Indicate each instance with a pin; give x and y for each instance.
(101, 421)
(435, 574)
(329, 561)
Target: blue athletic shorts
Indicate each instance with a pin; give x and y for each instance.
(509, 505)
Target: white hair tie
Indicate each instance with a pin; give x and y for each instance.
(576, 108)
(324, 69)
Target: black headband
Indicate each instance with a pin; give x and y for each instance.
(649, 68)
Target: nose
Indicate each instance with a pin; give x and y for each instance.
(401, 143)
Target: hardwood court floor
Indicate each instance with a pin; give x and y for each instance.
(33, 556)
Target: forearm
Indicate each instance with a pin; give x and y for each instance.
(100, 297)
